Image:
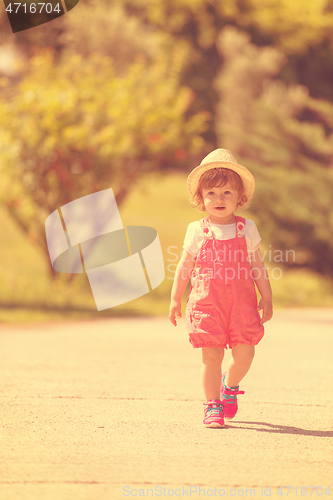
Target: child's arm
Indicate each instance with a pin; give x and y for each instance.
(260, 276)
(182, 275)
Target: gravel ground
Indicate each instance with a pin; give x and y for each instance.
(112, 409)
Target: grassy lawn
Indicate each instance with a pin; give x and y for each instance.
(27, 294)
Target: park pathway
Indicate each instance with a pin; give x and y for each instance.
(112, 409)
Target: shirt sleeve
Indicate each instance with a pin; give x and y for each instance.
(191, 241)
(252, 236)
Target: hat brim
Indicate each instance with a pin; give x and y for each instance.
(243, 172)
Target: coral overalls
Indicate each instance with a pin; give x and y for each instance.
(222, 306)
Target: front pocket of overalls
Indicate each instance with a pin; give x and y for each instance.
(198, 301)
(200, 287)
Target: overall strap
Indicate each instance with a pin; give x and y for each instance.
(206, 228)
(240, 226)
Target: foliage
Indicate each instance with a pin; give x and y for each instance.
(300, 29)
(286, 139)
(297, 28)
(75, 128)
(291, 26)
(117, 35)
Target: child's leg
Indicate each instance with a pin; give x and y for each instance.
(212, 358)
(239, 365)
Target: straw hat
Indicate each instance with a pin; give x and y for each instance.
(221, 158)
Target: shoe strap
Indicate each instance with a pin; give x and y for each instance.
(231, 392)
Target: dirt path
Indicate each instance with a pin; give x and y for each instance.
(113, 409)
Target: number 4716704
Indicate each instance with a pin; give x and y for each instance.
(32, 8)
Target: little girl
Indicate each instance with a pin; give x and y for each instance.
(222, 257)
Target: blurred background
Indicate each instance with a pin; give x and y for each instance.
(132, 94)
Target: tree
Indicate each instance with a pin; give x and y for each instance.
(108, 30)
(75, 128)
(285, 137)
(301, 29)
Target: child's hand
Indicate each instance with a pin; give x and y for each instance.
(175, 311)
(267, 310)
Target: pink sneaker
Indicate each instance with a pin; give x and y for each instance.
(214, 413)
(229, 398)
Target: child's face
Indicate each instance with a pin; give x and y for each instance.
(221, 202)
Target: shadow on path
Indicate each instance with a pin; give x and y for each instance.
(280, 429)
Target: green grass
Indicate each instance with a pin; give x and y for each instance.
(27, 294)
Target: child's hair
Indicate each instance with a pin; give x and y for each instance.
(218, 177)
